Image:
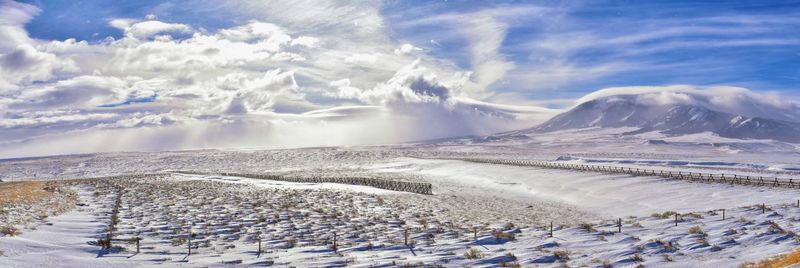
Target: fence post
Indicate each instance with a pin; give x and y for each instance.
(551, 229)
(475, 233)
(723, 214)
(676, 219)
(405, 236)
(619, 225)
(189, 245)
(763, 208)
(335, 247)
(137, 244)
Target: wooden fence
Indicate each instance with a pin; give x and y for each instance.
(115, 177)
(680, 175)
(387, 184)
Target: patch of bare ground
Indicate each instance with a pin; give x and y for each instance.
(27, 204)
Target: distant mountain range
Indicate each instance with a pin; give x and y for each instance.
(690, 115)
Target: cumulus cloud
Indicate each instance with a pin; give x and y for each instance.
(411, 84)
(21, 63)
(255, 94)
(306, 41)
(343, 90)
(173, 86)
(25, 64)
(13, 16)
(406, 49)
(145, 80)
(147, 29)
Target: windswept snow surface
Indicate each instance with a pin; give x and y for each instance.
(64, 241)
(269, 184)
(298, 219)
(610, 195)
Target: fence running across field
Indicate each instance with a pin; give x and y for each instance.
(386, 184)
(688, 176)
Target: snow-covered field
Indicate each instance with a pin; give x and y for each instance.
(507, 208)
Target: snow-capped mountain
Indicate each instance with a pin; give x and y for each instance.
(689, 114)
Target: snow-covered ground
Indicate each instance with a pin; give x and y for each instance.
(296, 221)
(611, 195)
(64, 240)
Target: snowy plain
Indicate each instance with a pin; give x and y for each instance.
(507, 208)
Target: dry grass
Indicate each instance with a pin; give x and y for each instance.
(9, 231)
(637, 258)
(588, 227)
(501, 235)
(24, 192)
(473, 254)
(777, 262)
(561, 255)
(31, 202)
(696, 230)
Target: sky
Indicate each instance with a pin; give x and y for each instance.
(102, 75)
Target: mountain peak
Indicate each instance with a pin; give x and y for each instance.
(680, 113)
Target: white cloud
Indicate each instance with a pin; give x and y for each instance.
(44, 120)
(306, 41)
(172, 86)
(362, 58)
(343, 90)
(269, 34)
(26, 64)
(147, 29)
(13, 16)
(410, 84)
(74, 93)
(342, 18)
(484, 31)
(406, 49)
(486, 35)
(258, 94)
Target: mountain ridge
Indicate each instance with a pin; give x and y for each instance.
(668, 118)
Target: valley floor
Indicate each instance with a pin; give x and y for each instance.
(479, 215)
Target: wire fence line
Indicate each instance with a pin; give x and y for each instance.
(386, 184)
(381, 183)
(679, 175)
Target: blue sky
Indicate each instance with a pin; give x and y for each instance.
(305, 72)
(754, 44)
